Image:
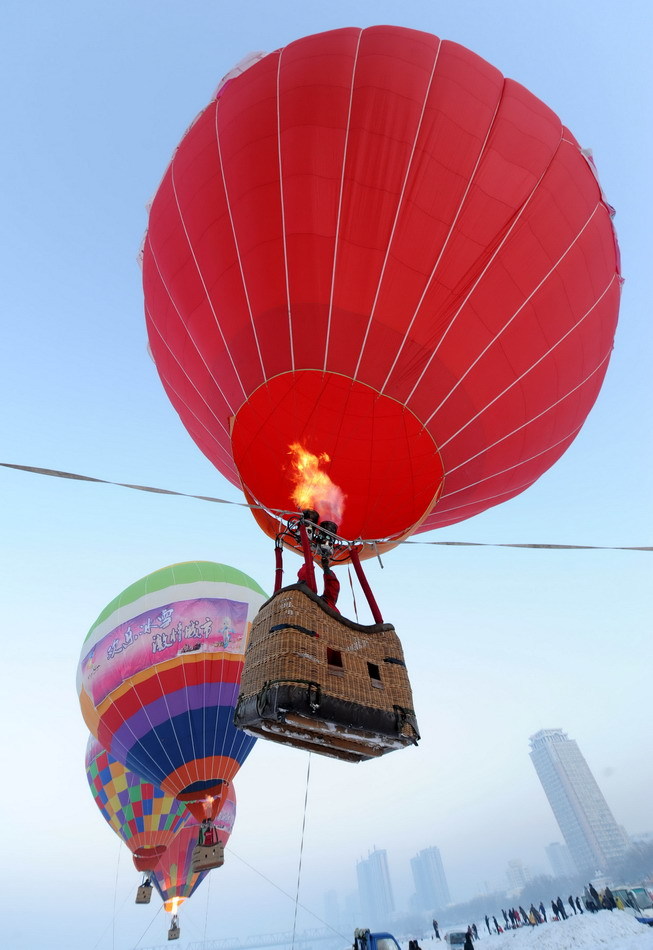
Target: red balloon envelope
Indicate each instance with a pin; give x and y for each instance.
(373, 245)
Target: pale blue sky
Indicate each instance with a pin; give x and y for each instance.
(499, 642)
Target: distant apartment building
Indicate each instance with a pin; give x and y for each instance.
(431, 888)
(375, 890)
(560, 859)
(518, 875)
(588, 826)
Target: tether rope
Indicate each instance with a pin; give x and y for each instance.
(54, 473)
(208, 896)
(301, 851)
(113, 920)
(115, 896)
(289, 896)
(148, 926)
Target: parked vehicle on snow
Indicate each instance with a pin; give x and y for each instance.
(364, 940)
(637, 901)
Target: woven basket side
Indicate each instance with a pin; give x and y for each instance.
(289, 641)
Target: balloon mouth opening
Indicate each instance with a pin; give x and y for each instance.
(146, 859)
(366, 461)
(201, 791)
(154, 852)
(204, 799)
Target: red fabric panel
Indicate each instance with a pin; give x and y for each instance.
(385, 206)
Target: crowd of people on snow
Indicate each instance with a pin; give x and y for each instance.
(592, 902)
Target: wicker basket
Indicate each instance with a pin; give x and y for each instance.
(205, 857)
(315, 680)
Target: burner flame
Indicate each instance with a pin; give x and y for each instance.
(172, 906)
(313, 487)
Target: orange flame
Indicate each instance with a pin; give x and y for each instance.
(314, 488)
(172, 906)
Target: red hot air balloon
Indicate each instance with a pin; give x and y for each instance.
(373, 247)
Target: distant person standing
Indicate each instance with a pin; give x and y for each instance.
(487, 924)
(561, 909)
(570, 901)
(474, 932)
(579, 905)
(469, 943)
(437, 929)
(543, 911)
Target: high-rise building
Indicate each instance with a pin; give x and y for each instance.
(518, 876)
(375, 889)
(560, 859)
(431, 888)
(588, 826)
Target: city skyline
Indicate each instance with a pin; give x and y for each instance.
(375, 888)
(431, 888)
(591, 833)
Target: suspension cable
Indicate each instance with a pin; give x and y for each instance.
(242, 504)
(301, 851)
(286, 894)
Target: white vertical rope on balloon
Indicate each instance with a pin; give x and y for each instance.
(223, 749)
(191, 731)
(184, 767)
(190, 337)
(446, 241)
(404, 185)
(499, 496)
(235, 239)
(283, 215)
(339, 213)
(491, 260)
(204, 667)
(171, 719)
(569, 436)
(514, 316)
(238, 737)
(128, 752)
(524, 425)
(201, 277)
(218, 689)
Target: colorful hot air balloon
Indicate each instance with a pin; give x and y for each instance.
(373, 248)
(159, 676)
(141, 814)
(173, 877)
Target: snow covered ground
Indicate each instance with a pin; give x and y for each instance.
(616, 930)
